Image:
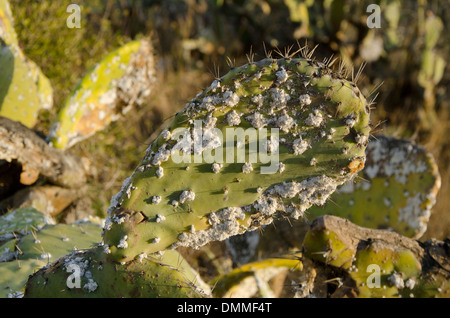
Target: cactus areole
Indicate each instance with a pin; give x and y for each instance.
(278, 135)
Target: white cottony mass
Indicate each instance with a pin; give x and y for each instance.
(208, 145)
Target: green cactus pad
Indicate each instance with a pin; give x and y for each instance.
(8, 250)
(55, 241)
(252, 279)
(21, 221)
(396, 189)
(14, 275)
(378, 263)
(166, 276)
(24, 89)
(187, 192)
(117, 83)
(327, 247)
(43, 245)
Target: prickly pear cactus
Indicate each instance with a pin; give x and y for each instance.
(24, 89)
(396, 189)
(166, 276)
(377, 263)
(43, 245)
(204, 178)
(117, 83)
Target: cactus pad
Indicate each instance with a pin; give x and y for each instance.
(24, 89)
(197, 183)
(55, 241)
(21, 222)
(378, 263)
(166, 276)
(14, 275)
(7, 33)
(396, 189)
(41, 246)
(120, 81)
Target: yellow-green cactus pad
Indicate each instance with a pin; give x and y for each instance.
(7, 32)
(397, 268)
(123, 79)
(396, 189)
(402, 272)
(24, 89)
(433, 65)
(378, 263)
(270, 136)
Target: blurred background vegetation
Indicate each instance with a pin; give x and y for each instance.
(406, 65)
